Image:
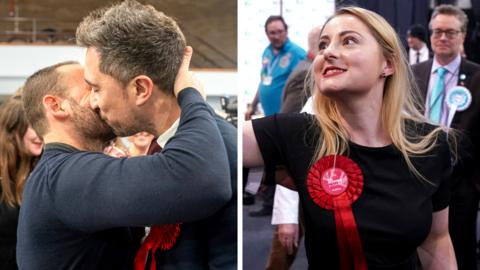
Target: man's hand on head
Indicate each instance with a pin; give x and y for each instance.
(185, 78)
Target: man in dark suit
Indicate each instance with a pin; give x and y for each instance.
(132, 58)
(435, 79)
(215, 235)
(417, 45)
(294, 95)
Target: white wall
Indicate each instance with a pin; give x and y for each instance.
(18, 62)
(300, 15)
(218, 82)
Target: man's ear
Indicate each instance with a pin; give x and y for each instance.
(142, 87)
(55, 106)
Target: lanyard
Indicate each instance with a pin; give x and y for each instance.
(273, 64)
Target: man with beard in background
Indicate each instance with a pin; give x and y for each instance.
(79, 206)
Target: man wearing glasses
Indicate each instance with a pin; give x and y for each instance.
(447, 92)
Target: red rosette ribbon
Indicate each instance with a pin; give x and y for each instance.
(334, 183)
(161, 237)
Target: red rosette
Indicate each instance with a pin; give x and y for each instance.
(334, 182)
(169, 235)
(314, 180)
(161, 237)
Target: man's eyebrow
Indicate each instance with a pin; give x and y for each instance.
(90, 83)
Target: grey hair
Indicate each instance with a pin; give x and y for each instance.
(134, 39)
(452, 11)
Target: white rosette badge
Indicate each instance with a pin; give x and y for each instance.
(458, 99)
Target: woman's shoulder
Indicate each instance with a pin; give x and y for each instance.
(296, 118)
(286, 121)
(415, 128)
(287, 126)
(417, 131)
(441, 143)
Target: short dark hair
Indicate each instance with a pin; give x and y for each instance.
(45, 81)
(273, 18)
(418, 31)
(134, 39)
(452, 11)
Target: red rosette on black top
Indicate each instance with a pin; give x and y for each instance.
(324, 194)
(334, 182)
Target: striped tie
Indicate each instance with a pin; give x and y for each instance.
(436, 97)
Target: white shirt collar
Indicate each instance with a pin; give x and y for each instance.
(452, 67)
(424, 49)
(423, 54)
(165, 136)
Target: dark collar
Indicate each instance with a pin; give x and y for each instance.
(60, 146)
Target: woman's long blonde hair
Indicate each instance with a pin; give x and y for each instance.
(400, 99)
(15, 162)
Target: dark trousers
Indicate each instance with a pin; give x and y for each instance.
(462, 223)
(269, 195)
(269, 190)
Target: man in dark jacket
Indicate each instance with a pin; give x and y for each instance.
(437, 78)
(133, 53)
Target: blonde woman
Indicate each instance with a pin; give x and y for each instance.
(19, 148)
(371, 173)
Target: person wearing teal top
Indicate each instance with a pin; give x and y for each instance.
(278, 61)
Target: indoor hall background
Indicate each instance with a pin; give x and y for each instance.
(210, 27)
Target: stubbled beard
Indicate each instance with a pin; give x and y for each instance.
(123, 130)
(90, 126)
(133, 125)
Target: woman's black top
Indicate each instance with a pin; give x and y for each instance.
(394, 212)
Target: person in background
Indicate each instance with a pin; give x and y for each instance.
(19, 150)
(417, 43)
(294, 94)
(116, 148)
(446, 78)
(289, 231)
(278, 61)
(139, 143)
